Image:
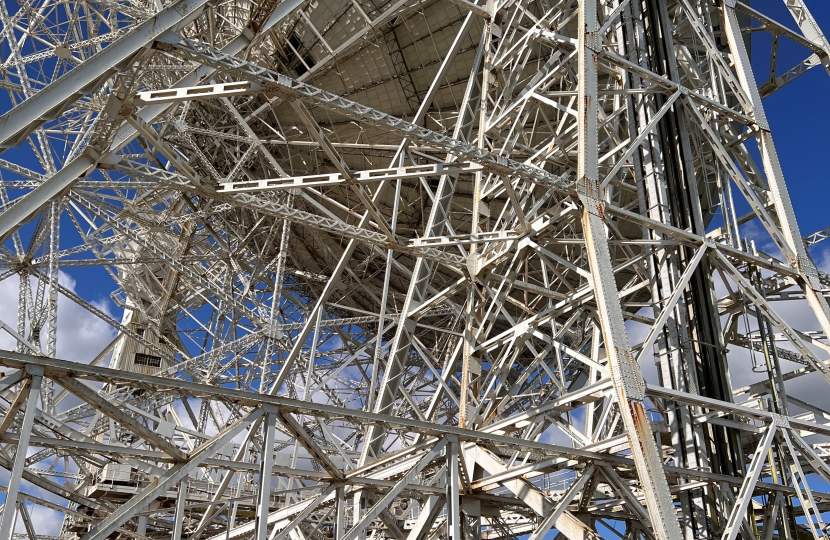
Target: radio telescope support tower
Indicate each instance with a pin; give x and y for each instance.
(406, 270)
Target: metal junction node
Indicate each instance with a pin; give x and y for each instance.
(405, 270)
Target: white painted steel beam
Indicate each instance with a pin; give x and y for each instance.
(335, 179)
(89, 159)
(50, 102)
(411, 243)
(170, 477)
(625, 373)
(8, 520)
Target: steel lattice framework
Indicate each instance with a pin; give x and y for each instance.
(379, 263)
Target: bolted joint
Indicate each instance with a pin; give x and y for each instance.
(780, 421)
(119, 109)
(805, 266)
(593, 42)
(590, 195)
(280, 91)
(587, 187)
(34, 370)
(273, 330)
(251, 30)
(629, 376)
(164, 46)
(472, 265)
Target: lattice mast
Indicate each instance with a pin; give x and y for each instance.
(400, 269)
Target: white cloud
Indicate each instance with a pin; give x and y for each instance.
(46, 521)
(755, 232)
(81, 335)
(821, 256)
(811, 388)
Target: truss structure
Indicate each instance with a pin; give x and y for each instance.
(394, 269)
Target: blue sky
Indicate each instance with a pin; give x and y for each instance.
(799, 116)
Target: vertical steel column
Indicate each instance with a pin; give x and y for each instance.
(178, 519)
(264, 495)
(279, 276)
(775, 175)
(22, 284)
(698, 365)
(141, 527)
(370, 400)
(471, 363)
(52, 305)
(453, 483)
(9, 513)
(54, 236)
(625, 372)
(340, 513)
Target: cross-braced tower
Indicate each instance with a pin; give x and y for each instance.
(396, 268)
